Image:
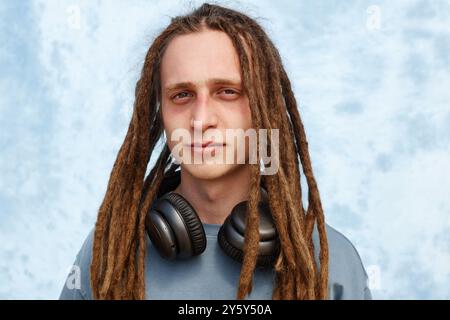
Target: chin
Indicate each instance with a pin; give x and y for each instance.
(208, 171)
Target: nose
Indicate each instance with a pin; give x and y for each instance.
(203, 113)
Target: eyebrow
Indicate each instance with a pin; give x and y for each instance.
(222, 81)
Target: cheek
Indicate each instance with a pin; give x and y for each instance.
(173, 115)
(239, 116)
(173, 121)
(169, 117)
(165, 113)
(167, 122)
(246, 116)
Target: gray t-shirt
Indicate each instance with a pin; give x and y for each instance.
(214, 275)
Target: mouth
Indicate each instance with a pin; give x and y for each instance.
(207, 144)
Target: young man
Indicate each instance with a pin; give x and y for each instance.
(214, 69)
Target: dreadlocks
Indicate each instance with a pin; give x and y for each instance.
(118, 262)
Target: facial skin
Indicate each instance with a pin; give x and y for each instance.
(198, 58)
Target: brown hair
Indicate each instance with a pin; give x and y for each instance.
(119, 249)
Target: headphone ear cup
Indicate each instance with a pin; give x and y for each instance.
(227, 247)
(193, 222)
(231, 235)
(238, 254)
(231, 241)
(161, 235)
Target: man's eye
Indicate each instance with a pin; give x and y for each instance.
(180, 95)
(229, 94)
(229, 91)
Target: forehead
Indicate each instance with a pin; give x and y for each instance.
(199, 56)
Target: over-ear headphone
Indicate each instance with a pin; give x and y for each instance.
(176, 230)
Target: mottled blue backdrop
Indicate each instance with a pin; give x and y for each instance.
(372, 80)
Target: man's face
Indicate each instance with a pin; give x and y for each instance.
(194, 62)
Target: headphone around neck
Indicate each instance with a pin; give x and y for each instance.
(176, 230)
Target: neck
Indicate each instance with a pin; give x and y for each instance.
(214, 199)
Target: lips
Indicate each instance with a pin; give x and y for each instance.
(209, 143)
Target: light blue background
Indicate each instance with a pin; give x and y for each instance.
(373, 85)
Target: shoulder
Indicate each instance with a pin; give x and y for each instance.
(77, 284)
(342, 246)
(348, 278)
(85, 253)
